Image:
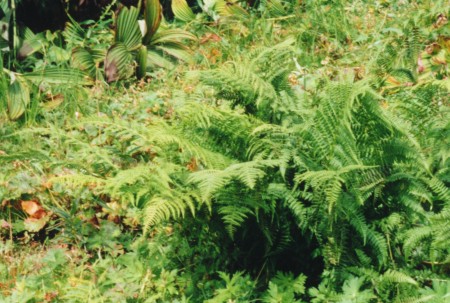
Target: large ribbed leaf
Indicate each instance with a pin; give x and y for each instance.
(156, 59)
(176, 50)
(18, 98)
(98, 54)
(74, 33)
(31, 43)
(171, 35)
(141, 59)
(58, 75)
(127, 31)
(118, 63)
(83, 60)
(182, 11)
(228, 8)
(152, 16)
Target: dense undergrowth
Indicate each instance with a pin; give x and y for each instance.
(289, 152)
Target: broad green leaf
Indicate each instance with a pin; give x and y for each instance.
(182, 11)
(142, 62)
(230, 9)
(74, 33)
(31, 43)
(152, 16)
(18, 98)
(170, 35)
(176, 50)
(118, 63)
(83, 59)
(35, 225)
(58, 75)
(154, 58)
(128, 31)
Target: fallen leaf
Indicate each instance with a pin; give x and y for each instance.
(33, 209)
(34, 225)
(30, 207)
(50, 296)
(210, 37)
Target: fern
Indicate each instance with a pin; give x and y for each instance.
(256, 82)
(210, 181)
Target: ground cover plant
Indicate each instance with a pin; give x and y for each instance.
(271, 151)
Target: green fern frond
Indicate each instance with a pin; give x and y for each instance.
(378, 242)
(393, 276)
(171, 205)
(414, 237)
(233, 216)
(158, 137)
(210, 181)
(79, 181)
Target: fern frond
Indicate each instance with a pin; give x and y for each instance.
(167, 205)
(393, 276)
(210, 181)
(233, 216)
(79, 181)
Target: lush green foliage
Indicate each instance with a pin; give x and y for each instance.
(301, 155)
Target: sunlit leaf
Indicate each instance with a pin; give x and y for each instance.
(127, 31)
(141, 62)
(18, 98)
(34, 224)
(182, 11)
(83, 59)
(31, 43)
(169, 35)
(152, 16)
(33, 209)
(118, 63)
(58, 75)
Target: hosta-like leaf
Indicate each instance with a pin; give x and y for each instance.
(141, 62)
(182, 11)
(118, 63)
(152, 16)
(31, 43)
(154, 58)
(171, 35)
(83, 59)
(98, 54)
(58, 75)
(228, 8)
(176, 50)
(74, 33)
(18, 98)
(128, 31)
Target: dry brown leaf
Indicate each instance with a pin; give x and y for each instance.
(192, 165)
(33, 209)
(210, 37)
(392, 80)
(50, 296)
(30, 207)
